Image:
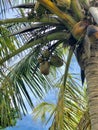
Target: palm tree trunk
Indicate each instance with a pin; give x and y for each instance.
(91, 73)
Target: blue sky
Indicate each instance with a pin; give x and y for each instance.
(27, 123)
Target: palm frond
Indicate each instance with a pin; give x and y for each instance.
(19, 85)
(8, 114)
(68, 115)
(25, 74)
(22, 75)
(84, 122)
(33, 34)
(73, 109)
(35, 26)
(41, 111)
(27, 5)
(6, 44)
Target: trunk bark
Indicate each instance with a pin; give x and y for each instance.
(90, 64)
(91, 72)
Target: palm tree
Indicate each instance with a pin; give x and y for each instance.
(50, 24)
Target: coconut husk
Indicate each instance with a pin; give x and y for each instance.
(44, 67)
(40, 59)
(46, 53)
(56, 61)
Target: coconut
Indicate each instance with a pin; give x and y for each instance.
(56, 61)
(46, 53)
(40, 59)
(44, 67)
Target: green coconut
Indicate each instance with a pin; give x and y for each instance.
(40, 59)
(46, 53)
(56, 61)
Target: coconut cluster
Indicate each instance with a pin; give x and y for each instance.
(47, 59)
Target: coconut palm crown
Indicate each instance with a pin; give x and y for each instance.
(32, 46)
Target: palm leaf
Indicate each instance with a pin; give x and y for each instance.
(39, 25)
(41, 111)
(73, 109)
(84, 122)
(6, 44)
(22, 75)
(27, 5)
